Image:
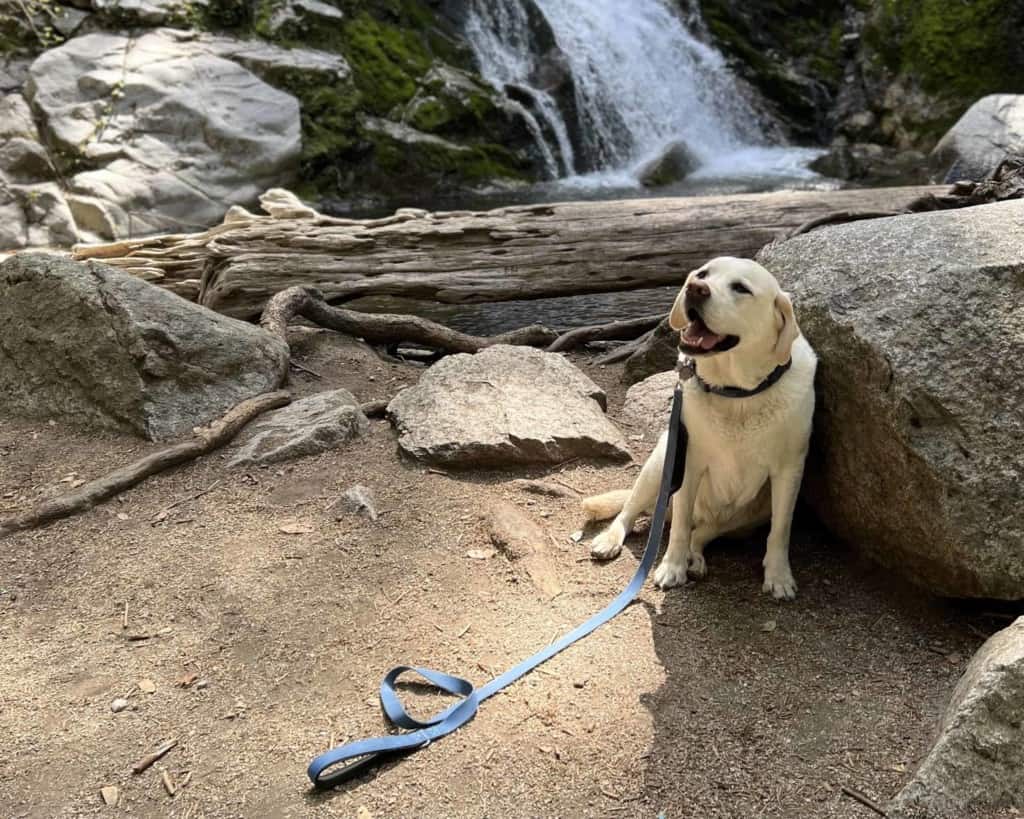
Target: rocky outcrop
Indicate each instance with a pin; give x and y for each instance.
(973, 769)
(307, 427)
(990, 129)
(99, 348)
(504, 406)
(174, 153)
(918, 435)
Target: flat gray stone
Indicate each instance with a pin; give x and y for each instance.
(505, 405)
(919, 432)
(306, 427)
(35, 216)
(974, 767)
(100, 348)
(975, 145)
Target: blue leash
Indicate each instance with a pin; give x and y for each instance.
(364, 754)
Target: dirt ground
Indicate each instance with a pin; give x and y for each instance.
(706, 701)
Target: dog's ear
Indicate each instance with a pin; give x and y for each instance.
(788, 329)
(677, 318)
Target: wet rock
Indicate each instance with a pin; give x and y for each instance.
(505, 405)
(973, 769)
(673, 164)
(128, 355)
(981, 138)
(309, 426)
(917, 325)
(147, 12)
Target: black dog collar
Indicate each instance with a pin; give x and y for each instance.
(687, 369)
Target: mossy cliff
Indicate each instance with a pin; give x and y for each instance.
(899, 72)
(410, 120)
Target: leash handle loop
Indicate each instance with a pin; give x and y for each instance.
(347, 761)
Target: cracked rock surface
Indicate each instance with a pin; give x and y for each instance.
(129, 355)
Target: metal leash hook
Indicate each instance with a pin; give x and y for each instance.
(347, 761)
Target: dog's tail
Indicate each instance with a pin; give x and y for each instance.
(608, 505)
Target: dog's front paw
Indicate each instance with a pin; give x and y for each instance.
(698, 568)
(779, 582)
(608, 544)
(669, 574)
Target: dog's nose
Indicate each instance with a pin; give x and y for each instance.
(697, 291)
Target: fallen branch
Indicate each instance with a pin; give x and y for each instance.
(206, 440)
(616, 330)
(625, 351)
(156, 756)
(866, 801)
(384, 328)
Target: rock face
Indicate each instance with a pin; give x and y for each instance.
(674, 164)
(307, 427)
(919, 431)
(100, 348)
(505, 405)
(974, 767)
(176, 153)
(658, 353)
(971, 149)
(648, 404)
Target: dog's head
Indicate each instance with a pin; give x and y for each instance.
(734, 304)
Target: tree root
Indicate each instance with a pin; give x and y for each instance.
(206, 440)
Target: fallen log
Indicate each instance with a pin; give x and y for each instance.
(521, 252)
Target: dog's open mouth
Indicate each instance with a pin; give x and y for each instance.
(699, 339)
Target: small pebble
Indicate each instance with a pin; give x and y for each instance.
(118, 705)
(203, 684)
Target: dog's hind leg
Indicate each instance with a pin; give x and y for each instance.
(641, 499)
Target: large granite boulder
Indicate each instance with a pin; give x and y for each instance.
(974, 767)
(975, 145)
(919, 434)
(97, 347)
(504, 406)
(648, 405)
(179, 132)
(656, 354)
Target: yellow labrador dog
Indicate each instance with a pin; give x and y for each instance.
(748, 413)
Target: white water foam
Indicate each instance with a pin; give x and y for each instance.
(642, 80)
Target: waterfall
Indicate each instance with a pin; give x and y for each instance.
(641, 80)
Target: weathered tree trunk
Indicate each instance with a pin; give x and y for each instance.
(521, 252)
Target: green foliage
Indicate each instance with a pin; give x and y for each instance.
(952, 48)
(386, 61)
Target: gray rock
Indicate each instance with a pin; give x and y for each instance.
(674, 164)
(176, 153)
(974, 767)
(299, 12)
(974, 146)
(147, 12)
(24, 161)
(358, 500)
(34, 216)
(100, 348)
(312, 425)
(658, 353)
(16, 119)
(919, 430)
(505, 405)
(13, 73)
(648, 403)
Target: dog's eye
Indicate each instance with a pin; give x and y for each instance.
(740, 287)
(702, 275)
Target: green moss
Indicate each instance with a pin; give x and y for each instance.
(386, 62)
(953, 49)
(233, 15)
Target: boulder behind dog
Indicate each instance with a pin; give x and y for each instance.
(917, 456)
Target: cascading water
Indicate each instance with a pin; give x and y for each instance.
(641, 81)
